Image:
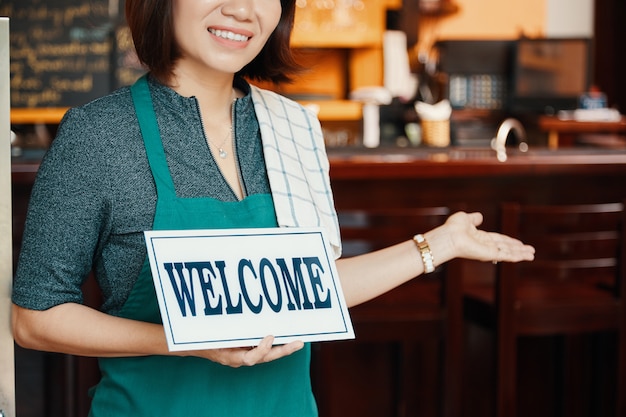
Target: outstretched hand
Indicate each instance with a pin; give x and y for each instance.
(249, 356)
(467, 241)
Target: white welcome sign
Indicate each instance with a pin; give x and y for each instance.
(231, 288)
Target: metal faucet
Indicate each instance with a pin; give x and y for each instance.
(499, 142)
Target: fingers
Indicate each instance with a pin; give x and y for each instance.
(256, 355)
(476, 218)
(468, 241)
(279, 351)
(264, 352)
(249, 356)
(461, 217)
(508, 249)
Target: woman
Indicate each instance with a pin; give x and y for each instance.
(193, 145)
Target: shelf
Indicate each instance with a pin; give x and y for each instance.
(50, 115)
(365, 39)
(336, 110)
(437, 8)
(329, 110)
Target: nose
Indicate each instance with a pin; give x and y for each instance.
(238, 9)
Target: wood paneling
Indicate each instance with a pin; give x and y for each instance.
(380, 179)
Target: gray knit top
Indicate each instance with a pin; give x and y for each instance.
(94, 194)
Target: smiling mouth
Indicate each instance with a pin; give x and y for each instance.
(231, 36)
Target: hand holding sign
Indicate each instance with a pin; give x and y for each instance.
(266, 351)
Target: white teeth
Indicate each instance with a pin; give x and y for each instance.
(229, 35)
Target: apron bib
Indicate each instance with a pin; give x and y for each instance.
(175, 386)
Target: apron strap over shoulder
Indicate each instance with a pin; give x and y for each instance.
(152, 138)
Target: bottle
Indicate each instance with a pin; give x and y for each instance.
(593, 99)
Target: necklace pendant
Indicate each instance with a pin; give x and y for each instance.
(223, 154)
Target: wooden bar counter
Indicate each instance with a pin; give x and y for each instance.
(460, 178)
(473, 179)
(470, 180)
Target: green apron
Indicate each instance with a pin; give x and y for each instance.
(187, 386)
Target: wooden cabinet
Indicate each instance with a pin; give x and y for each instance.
(341, 23)
(341, 43)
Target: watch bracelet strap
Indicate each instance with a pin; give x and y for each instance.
(425, 253)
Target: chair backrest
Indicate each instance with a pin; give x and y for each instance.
(570, 240)
(429, 307)
(579, 256)
(364, 230)
(403, 329)
(367, 230)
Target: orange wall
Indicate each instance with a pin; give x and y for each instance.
(485, 19)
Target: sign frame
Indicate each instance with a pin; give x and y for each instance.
(220, 288)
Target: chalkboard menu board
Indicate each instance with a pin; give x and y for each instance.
(66, 52)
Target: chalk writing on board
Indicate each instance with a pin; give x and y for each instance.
(63, 52)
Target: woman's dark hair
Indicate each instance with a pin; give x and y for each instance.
(152, 29)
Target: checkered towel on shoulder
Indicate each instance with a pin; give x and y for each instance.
(297, 164)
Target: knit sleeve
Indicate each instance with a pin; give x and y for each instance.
(65, 217)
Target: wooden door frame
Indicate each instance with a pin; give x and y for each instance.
(7, 364)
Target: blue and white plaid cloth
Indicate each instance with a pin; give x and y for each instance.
(297, 164)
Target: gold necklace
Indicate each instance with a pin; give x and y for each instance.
(220, 149)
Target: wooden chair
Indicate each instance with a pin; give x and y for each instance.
(576, 285)
(426, 309)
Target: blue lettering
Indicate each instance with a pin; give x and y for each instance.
(207, 286)
(266, 264)
(230, 308)
(313, 265)
(270, 286)
(247, 264)
(294, 286)
(184, 293)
